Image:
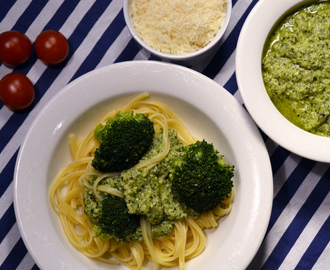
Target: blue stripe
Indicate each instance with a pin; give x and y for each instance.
(16, 256)
(154, 58)
(87, 22)
(130, 51)
(101, 47)
(6, 176)
(300, 221)
(231, 84)
(315, 249)
(9, 129)
(29, 15)
(232, 87)
(35, 267)
(227, 47)
(6, 222)
(61, 15)
(234, 2)
(289, 189)
(263, 135)
(5, 6)
(278, 158)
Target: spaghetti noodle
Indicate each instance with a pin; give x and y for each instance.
(187, 239)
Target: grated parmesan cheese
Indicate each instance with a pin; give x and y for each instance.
(177, 26)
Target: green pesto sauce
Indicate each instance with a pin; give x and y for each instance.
(146, 192)
(296, 68)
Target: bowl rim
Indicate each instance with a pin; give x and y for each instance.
(250, 83)
(174, 57)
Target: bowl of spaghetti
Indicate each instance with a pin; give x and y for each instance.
(182, 32)
(53, 223)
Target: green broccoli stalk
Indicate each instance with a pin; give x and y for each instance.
(124, 139)
(115, 221)
(200, 178)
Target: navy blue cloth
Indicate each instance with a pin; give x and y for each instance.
(299, 229)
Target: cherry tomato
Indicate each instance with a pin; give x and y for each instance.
(15, 48)
(51, 47)
(16, 91)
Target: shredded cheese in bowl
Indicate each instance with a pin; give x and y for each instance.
(177, 26)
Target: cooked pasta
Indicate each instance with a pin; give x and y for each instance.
(186, 241)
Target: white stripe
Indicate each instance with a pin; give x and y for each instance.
(5, 114)
(142, 55)
(288, 166)
(76, 16)
(116, 48)
(91, 39)
(229, 68)
(27, 263)
(6, 200)
(238, 96)
(238, 10)
(288, 214)
(5, 70)
(307, 236)
(14, 14)
(9, 242)
(43, 18)
(323, 261)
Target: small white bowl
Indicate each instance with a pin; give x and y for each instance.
(203, 55)
(250, 46)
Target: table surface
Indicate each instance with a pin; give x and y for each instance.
(299, 228)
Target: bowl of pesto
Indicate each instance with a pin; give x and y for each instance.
(282, 71)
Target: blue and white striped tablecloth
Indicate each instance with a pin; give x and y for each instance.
(299, 229)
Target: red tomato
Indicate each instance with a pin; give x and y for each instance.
(51, 47)
(16, 91)
(15, 48)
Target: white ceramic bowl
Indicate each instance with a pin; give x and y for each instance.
(203, 55)
(254, 33)
(208, 110)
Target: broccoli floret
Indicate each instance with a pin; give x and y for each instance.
(115, 221)
(124, 139)
(200, 178)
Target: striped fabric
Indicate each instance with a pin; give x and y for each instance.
(299, 229)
